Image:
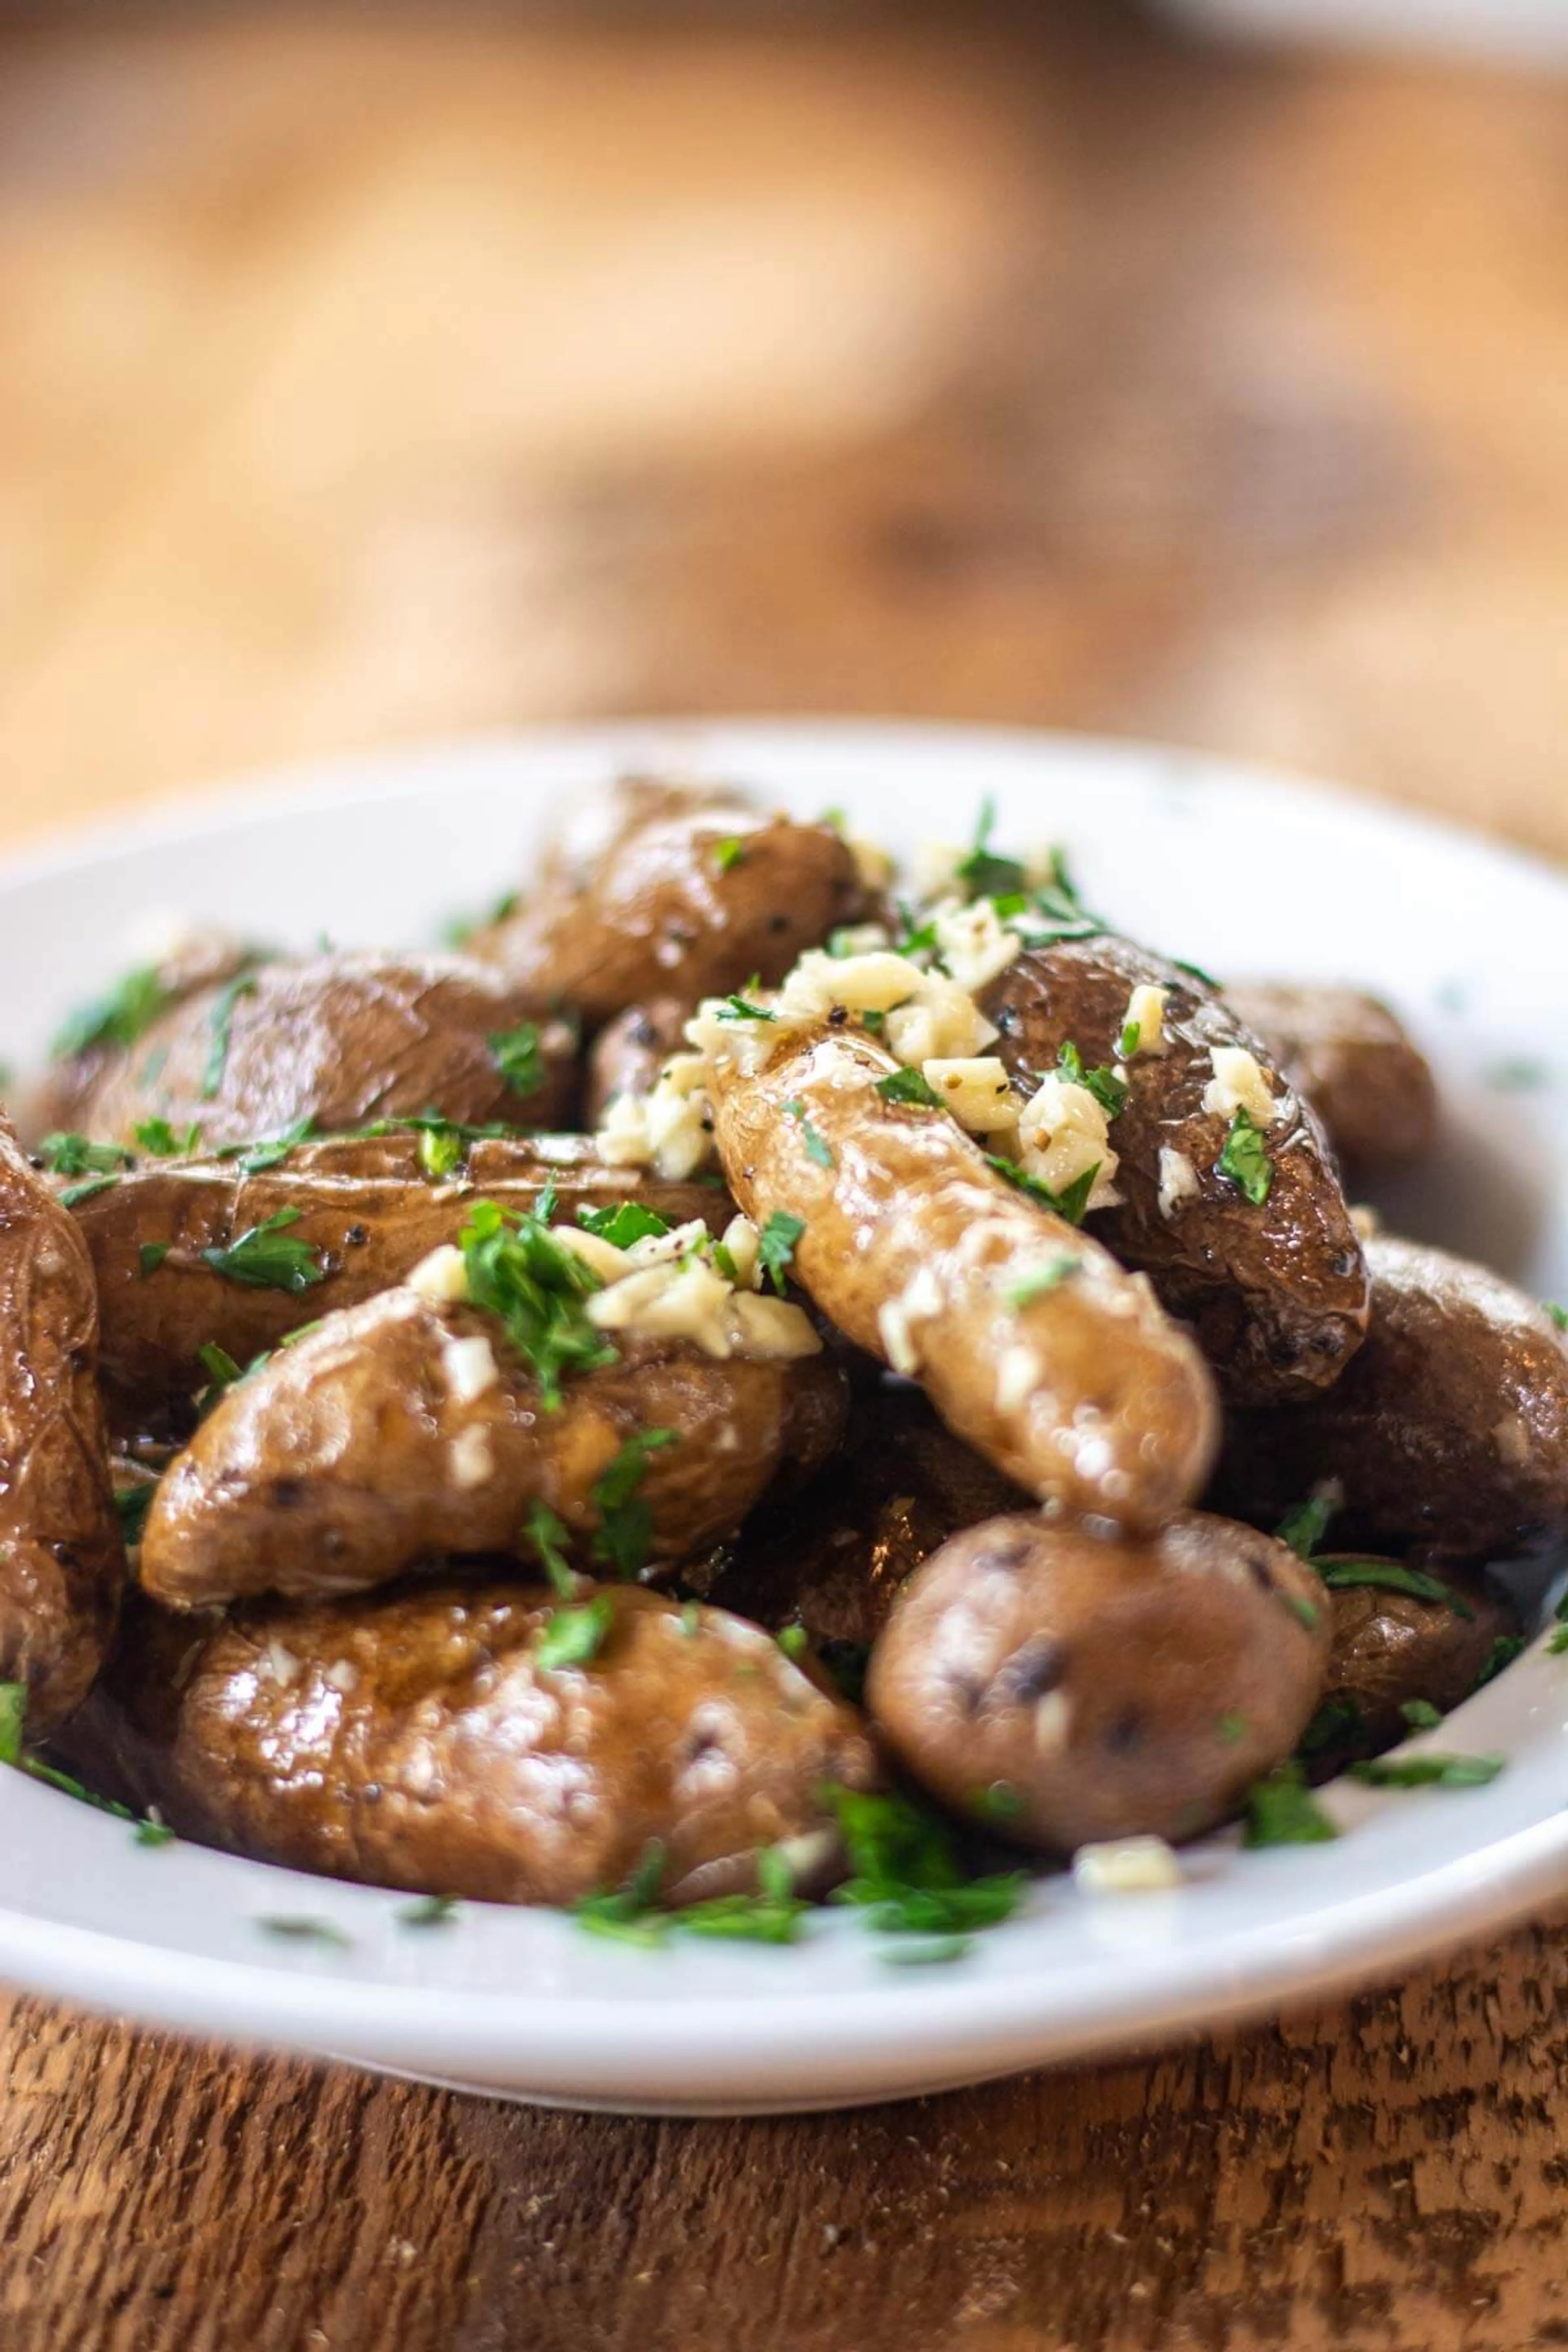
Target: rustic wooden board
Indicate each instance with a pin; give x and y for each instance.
(361, 378)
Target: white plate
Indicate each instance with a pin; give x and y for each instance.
(1241, 873)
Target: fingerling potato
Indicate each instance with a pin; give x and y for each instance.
(1401, 1640)
(1264, 1264)
(1068, 1689)
(1348, 1056)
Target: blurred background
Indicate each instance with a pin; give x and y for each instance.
(371, 373)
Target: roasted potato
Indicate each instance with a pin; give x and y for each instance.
(1400, 1640)
(62, 1560)
(1350, 1057)
(1448, 1435)
(627, 1056)
(1067, 1688)
(833, 1558)
(404, 1429)
(1275, 1288)
(1077, 1386)
(340, 1039)
(413, 1739)
(680, 893)
(366, 1209)
(98, 1037)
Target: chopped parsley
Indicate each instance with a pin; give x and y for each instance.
(1391, 1576)
(1046, 1277)
(429, 1911)
(574, 1636)
(1231, 1727)
(1420, 1713)
(729, 853)
(131, 1503)
(251, 1159)
(73, 1155)
(153, 1833)
(625, 1521)
(1129, 1037)
(1504, 1652)
(88, 1190)
(1282, 1810)
(1000, 1804)
(550, 1537)
(905, 1874)
(1072, 1203)
(1337, 1717)
(299, 1929)
(516, 1055)
(624, 1223)
(816, 1148)
(775, 1246)
(440, 1150)
(632, 1915)
(1428, 1771)
(519, 1270)
(794, 1641)
(266, 1257)
(1559, 1313)
(13, 1751)
(150, 1257)
(460, 929)
(223, 1003)
(1304, 1528)
(123, 1014)
(981, 874)
(911, 1087)
(740, 1008)
(1195, 971)
(915, 938)
(1245, 1159)
(1109, 1091)
(218, 1364)
(158, 1137)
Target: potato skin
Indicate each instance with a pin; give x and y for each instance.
(1449, 1434)
(1391, 1647)
(1116, 1688)
(365, 1206)
(411, 1740)
(1348, 1056)
(1276, 1295)
(352, 1454)
(342, 1039)
(201, 962)
(62, 1560)
(629, 1056)
(833, 1560)
(1120, 1416)
(660, 907)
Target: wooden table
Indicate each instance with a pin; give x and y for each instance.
(360, 380)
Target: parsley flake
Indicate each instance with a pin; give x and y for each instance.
(1420, 1713)
(1391, 1576)
(1304, 1528)
(516, 1055)
(984, 875)
(625, 1521)
(729, 853)
(88, 1190)
(150, 1257)
(265, 1258)
(157, 1137)
(1245, 1159)
(429, 1911)
(1282, 1810)
(123, 1014)
(624, 1223)
(574, 1636)
(740, 1008)
(1109, 1091)
(1430, 1770)
(909, 1087)
(1071, 1203)
(519, 1270)
(223, 1003)
(301, 1930)
(775, 1246)
(816, 1148)
(550, 1536)
(1046, 1277)
(73, 1155)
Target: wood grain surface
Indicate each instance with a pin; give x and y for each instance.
(365, 375)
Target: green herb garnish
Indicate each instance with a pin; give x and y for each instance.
(1109, 1091)
(550, 1537)
(516, 1055)
(909, 1087)
(223, 1003)
(1000, 1804)
(73, 1155)
(458, 930)
(631, 1916)
(1282, 1810)
(794, 1641)
(1504, 1652)
(1043, 1278)
(1428, 1771)
(1420, 1713)
(123, 1013)
(625, 1521)
(149, 1832)
(429, 1911)
(905, 1873)
(574, 1636)
(301, 1930)
(156, 1136)
(1391, 1576)
(265, 1258)
(1337, 1718)
(740, 1008)
(981, 874)
(88, 1190)
(217, 1363)
(1304, 1528)
(625, 1222)
(1129, 1037)
(131, 1504)
(915, 938)
(520, 1272)
(440, 1150)
(1072, 1203)
(1246, 1161)
(816, 1148)
(729, 853)
(775, 1246)
(1559, 1313)
(150, 1257)
(251, 1159)
(1231, 1727)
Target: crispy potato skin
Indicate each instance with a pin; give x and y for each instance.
(661, 908)
(834, 1558)
(1448, 1434)
(62, 1560)
(365, 1206)
(412, 1741)
(1116, 1688)
(629, 1056)
(352, 1454)
(1121, 1419)
(1389, 1648)
(341, 1039)
(1350, 1058)
(1276, 1293)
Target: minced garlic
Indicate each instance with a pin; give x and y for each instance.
(1240, 1083)
(1132, 1865)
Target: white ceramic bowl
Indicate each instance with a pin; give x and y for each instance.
(1239, 872)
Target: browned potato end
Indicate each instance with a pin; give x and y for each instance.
(1067, 1688)
(414, 1740)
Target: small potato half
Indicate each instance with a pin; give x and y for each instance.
(415, 1740)
(1065, 1687)
(1352, 1060)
